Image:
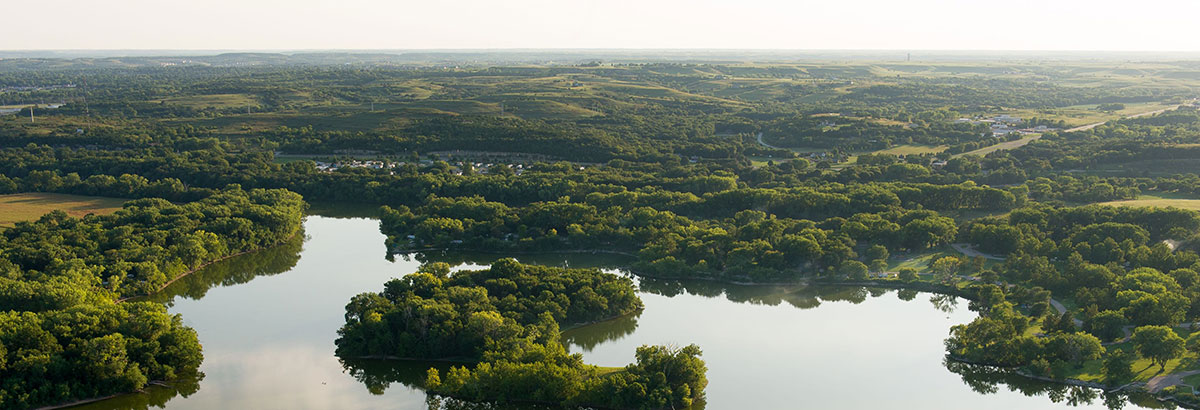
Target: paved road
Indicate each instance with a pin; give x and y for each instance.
(1144, 114)
(1163, 381)
(967, 250)
(765, 144)
(1023, 141)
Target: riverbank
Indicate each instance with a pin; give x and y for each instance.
(165, 383)
(1167, 394)
(206, 264)
(960, 288)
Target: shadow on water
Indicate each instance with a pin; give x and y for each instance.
(343, 210)
(380, 375)
(559, 259)
(988, 380)
(234, 271)
(153, 396)
(590, 336)
(799, 296)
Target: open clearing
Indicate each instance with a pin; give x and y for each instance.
(211, 100)
(30, 206)
(1158, 201)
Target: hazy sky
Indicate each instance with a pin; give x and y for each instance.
(1144, 25)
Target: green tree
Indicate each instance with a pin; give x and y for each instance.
(944, 268)
(1158, 343)
(854, 270)
(1117, 367)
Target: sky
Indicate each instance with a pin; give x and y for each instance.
(1144, 25)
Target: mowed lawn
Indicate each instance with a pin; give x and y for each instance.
(1160, 201)
(30, 206)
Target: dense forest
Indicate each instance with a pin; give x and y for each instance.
(505, 320)
(69, 334)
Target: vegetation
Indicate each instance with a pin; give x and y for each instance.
(64, 335)
(505, 320)
(736, 172)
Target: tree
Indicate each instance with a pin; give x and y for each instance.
(1193, 343)
(1158, 343)
(944, 268)
(1117, 367)
(879, 265)
(1075, 348)
(854, 270)
(1064, 324)
(876, 252)
(1107, 325)
(908, 274)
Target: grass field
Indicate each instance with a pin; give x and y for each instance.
(921, 260)
(908, 149)
(1003, 145)
(1160, 201)
(211, 100)
(30, 206)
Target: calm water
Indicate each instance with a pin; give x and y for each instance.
(268, 321)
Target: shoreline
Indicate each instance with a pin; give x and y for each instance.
(205, 264)
(469, 361)
(163, 383)
(81, 402)
(952, 290)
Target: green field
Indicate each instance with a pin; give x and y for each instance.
(899, 150)
(211, 100)
(1158, 200)
(1003, 145)
(30, 206)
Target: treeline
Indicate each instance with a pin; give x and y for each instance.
(63, 335)
(750, 245)
(506, 320)
(703, 190)
(151, 241)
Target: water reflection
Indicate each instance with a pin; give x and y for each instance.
(578, 260)
(234, 271)
(269, 341)
(379, 375)
(987, 380)
(799, 296)
(944, 303)
(153, 396)
(588, 337)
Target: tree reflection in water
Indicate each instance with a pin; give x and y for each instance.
(944, 303)
(988, 380)
(590, 336)
(234, 271)
(229, 272)
(380, 375)
(153, 396)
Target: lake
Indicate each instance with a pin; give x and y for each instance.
(268, 320)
